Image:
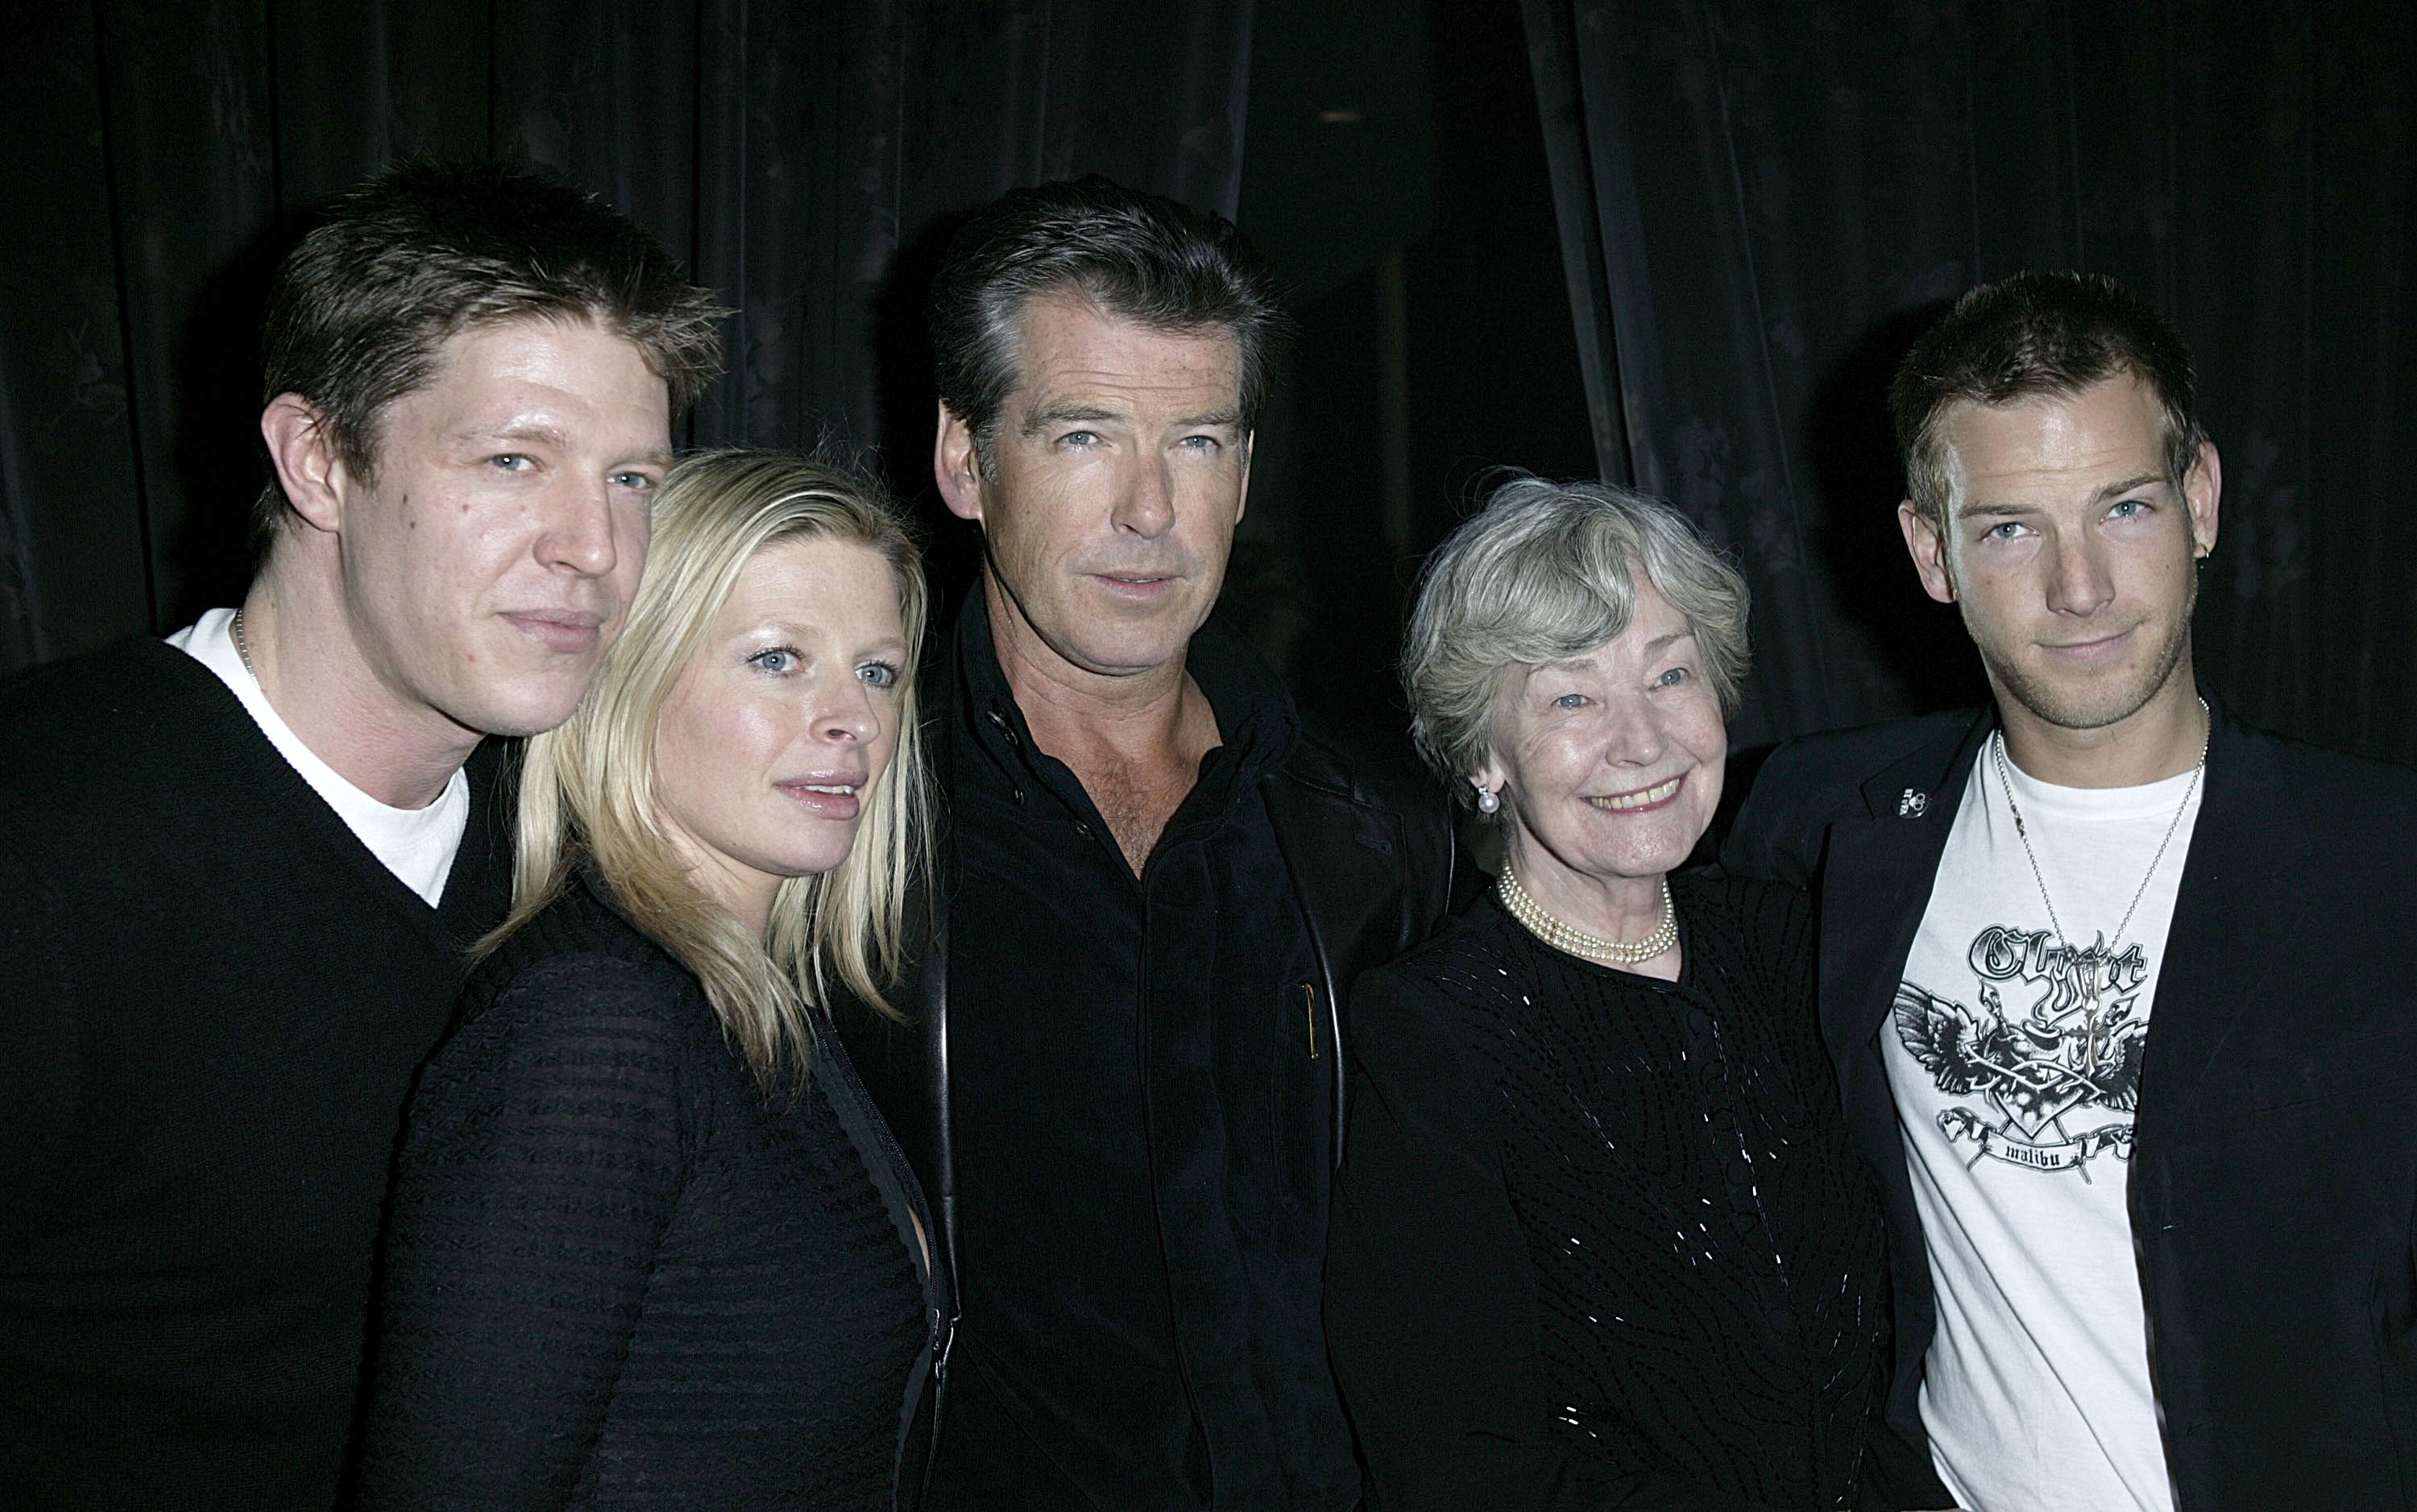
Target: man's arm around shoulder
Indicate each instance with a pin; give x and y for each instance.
(1780, 829)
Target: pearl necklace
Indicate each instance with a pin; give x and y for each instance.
(1577, 942)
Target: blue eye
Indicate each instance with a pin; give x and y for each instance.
(2128, 508)
(1079, 440)
(1202, 443)
(510, 461)
(879, 673)
(1570, 700)
(2005, 532)
(1671, 678)
(775, 659)
(636, 482)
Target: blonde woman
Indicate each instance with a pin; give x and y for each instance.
(650, 1242)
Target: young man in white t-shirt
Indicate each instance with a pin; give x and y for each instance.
(2149, 1178)
(240, 871)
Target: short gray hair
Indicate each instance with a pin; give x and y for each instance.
(1546, 571)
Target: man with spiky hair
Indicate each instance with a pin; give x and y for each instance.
(2118, 987)
(1124, 1083)
(240, 869)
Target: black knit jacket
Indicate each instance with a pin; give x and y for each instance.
(619, 1275)
(215, 1000)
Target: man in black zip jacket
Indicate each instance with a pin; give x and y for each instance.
(1123, 1085)
(240, 869)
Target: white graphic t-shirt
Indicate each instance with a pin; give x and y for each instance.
(415, 844)
(2015, 1061)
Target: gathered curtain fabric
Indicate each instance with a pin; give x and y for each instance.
(803, 160)
(1763, 202)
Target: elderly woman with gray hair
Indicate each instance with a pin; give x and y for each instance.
(1599, 1239)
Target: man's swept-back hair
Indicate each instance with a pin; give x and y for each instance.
(363, 307)
(587, 788)
(2035, 334)
(1134, 256)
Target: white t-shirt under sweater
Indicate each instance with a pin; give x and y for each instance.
(415, 844)
(2015, 1086)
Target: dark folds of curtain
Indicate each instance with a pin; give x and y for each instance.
(160, 154)
(1764, 201)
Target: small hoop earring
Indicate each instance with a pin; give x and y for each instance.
(1488, 801)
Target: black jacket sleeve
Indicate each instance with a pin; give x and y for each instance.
(543, 1156)
(1430, 1301)
(1777, 836)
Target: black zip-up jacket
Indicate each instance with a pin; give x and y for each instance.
(1365, 842)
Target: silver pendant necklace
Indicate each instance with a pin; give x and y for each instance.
(242, 647)
(2096, 984)
(1577, 942)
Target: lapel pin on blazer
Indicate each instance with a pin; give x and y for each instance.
(1913, 804)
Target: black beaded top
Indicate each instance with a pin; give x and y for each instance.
(1601, 1238)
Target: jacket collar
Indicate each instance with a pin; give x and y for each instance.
(1878, 877)
(1925, 784)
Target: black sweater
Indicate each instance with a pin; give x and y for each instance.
(216, 998)
(617, 1277)
(1599, 1241)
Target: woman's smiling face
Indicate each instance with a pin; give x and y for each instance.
(1610, 761)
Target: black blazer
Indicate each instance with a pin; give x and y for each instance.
(2273, 1180)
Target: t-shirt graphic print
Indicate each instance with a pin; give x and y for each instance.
(2048, 1084)
(2015, 1051)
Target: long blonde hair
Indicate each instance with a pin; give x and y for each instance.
(587, 789)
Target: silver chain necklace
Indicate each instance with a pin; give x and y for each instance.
(243, 648)
(2022, 832)
(1577, 942)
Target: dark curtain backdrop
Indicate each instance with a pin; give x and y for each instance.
(1762, 201)
(160, 155)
